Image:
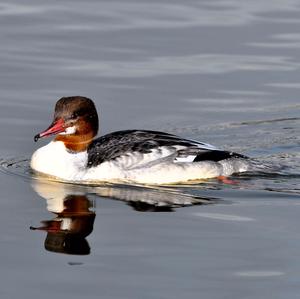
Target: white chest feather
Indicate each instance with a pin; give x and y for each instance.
(53, 159)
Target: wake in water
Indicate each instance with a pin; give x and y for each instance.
(270, 169)
(272, 144)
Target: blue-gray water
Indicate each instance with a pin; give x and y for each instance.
(223, 72)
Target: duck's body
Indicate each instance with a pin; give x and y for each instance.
(138, 156)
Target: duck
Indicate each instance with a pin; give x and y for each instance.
(127, 156)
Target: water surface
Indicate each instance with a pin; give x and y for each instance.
(222, 72)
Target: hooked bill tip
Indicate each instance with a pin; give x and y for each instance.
(36, 137)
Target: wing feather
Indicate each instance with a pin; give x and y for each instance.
(140, 147)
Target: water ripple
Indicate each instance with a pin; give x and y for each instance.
(224, 217)
(179, 65)
(116, 15)
(259, 273)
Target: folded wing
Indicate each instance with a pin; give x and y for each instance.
(135, 148)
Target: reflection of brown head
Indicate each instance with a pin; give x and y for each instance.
(68, 230)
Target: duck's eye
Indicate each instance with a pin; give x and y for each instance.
(74, 115)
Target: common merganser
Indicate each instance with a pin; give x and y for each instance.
(134, 156)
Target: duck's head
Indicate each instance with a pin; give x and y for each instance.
(75, 123)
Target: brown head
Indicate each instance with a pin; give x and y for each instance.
(75, 123)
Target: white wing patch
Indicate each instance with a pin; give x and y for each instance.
(187, 159)
(158, 155)
(174, 154)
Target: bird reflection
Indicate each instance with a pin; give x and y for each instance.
(73, 208)
(73, 221)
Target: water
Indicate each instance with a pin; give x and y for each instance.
(222, 72)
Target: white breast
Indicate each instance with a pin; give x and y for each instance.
(53, 159)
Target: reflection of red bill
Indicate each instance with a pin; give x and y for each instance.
(51, 226)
